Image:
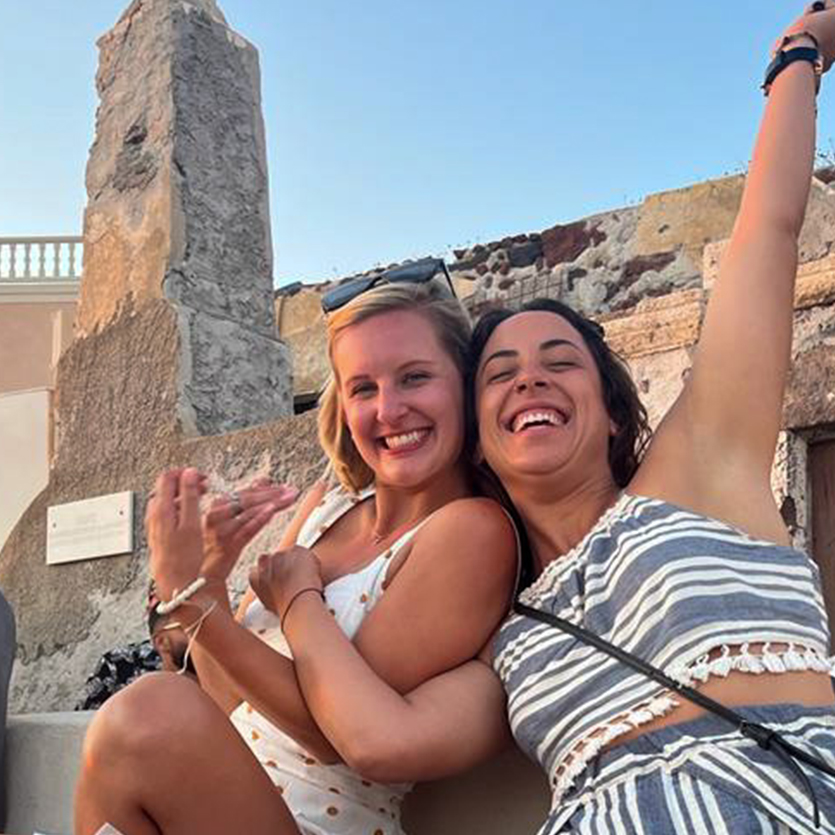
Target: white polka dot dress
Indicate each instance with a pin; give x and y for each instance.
(324, 799)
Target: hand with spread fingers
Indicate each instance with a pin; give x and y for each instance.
(278, 578)
(235, 518)
(172, 521)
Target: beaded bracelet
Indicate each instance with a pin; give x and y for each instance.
(180, 597)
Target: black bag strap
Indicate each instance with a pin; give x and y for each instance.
(765, 737)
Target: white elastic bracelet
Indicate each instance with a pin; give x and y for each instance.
(180, 597)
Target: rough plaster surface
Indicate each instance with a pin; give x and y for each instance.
(301, 324)
(238, 377)
(311, 367)
(688, 218)
(603, 265)
(660, 379)
(69, 615)
(657, 325)
(814, 245)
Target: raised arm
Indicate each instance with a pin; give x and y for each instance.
(721, 434)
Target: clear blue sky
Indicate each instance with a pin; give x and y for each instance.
(404, 129)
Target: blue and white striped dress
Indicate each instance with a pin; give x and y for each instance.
(693, 596)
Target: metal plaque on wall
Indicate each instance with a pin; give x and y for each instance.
(99, 527)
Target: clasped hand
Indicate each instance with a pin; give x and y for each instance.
(277, 578)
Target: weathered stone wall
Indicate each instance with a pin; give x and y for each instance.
(69, 615)
(642, 270)
(651, 305)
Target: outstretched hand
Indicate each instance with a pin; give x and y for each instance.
(172, 521)
(234, 519)
(278, 577)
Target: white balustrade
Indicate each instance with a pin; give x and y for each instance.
(40, 259)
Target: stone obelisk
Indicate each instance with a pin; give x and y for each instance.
(178, 209)
(175, 341)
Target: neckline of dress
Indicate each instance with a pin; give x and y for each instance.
(623, 500)
(348, 502)
(603, 521)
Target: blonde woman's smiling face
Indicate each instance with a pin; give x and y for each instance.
(539, 401)
(402, 397)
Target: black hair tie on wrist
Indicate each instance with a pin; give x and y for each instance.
(785, 57)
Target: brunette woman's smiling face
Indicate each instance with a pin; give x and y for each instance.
(539, 403)
(402, 398)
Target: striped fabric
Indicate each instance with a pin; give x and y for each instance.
(689, 594)
(703, 778)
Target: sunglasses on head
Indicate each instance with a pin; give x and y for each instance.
(418, 272)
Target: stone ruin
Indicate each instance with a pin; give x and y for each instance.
(176, 348)
(182, 353)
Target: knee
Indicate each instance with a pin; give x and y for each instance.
(160, 712)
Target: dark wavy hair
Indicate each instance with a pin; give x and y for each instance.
(620, 396)
(623, 405)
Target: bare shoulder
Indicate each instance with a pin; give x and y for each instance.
(474, 528)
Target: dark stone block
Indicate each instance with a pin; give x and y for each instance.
(563, 244)
(289, 289)
(826, 175)
(573, 275)
(525, 254)
(479, 256)
(634, 269)
(788, 510)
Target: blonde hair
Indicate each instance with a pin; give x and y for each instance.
(453, 328)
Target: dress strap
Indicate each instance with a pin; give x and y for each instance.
(335, 504)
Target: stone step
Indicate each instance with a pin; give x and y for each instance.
(507, 794)
(41, 767)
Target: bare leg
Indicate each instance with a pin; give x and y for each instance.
(161, 757)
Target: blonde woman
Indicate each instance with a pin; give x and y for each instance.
(414, 571)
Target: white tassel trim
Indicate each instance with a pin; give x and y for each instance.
(588, 748)
(792, 659)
